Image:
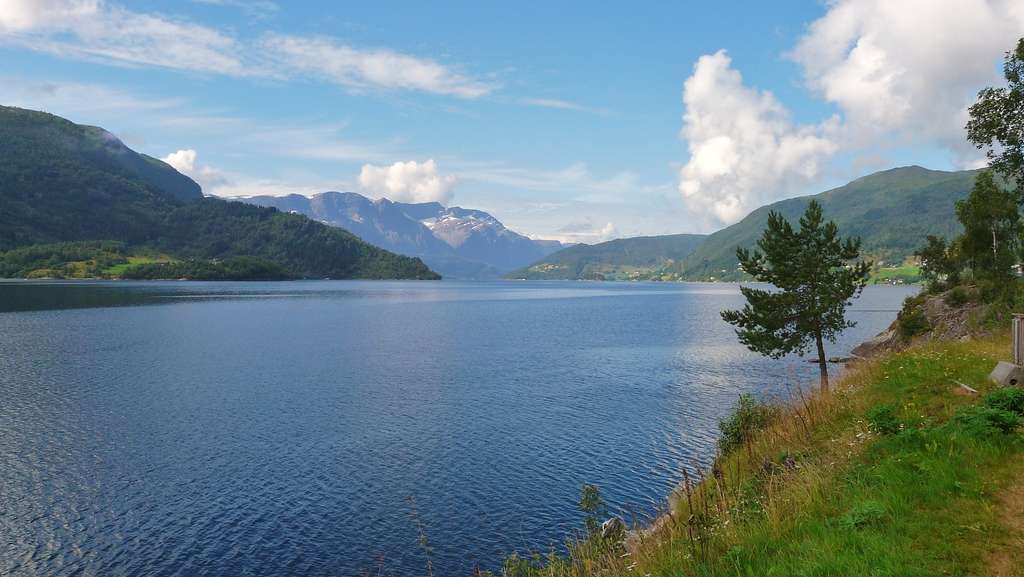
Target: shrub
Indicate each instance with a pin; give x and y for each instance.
(748, 417)
(883, 419)
(593, 508)
(984, 420)
(1009, 399)
(911, 320)
(865, 514)
(957, 297)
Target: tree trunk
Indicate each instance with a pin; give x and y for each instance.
(822, 362)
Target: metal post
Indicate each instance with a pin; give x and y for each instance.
(1018, 339)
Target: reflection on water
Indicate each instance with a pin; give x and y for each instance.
(178, 428)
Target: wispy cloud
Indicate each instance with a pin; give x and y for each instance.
(576, 180)
(256, 8)
(73, 98)
(94, 30)
(563, 105)
(329, 60)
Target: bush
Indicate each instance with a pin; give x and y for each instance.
(593, 508)
(957, 297)
(985, 420)
(748, 417)
(1010, 399)
(911, 321)
(865, 514)
(883, 419)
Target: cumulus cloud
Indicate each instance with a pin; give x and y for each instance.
(182, 160)
(899, 73)
(744, 148)
(212, 180)
(342, 64)
(908, 69)
(407, 182)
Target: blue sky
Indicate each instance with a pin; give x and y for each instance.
(568, 120)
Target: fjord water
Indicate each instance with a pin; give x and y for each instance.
(306, 428)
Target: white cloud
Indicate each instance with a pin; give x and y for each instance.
(182, 160)
(407, 182)
(251, 7)
(559, 104)
(585, 231)
(608, 232)
(211, 180)
(356, 68)
(94, 30)
(908, 69)
(17, 15)
(218, 182)
(74, 98)
(744, 148)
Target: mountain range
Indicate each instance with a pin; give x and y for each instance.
(62, 183)
(638, 258)
(891, 211)
(456, 242)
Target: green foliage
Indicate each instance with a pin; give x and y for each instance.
(939, 263)
(957, 297)
(61, 182)
(997, 121)
(1009, 399)
(218, 229)
(985, 420)
(84, 259)
(869, 513)
(817, 274)
(883, 419)
(892, 211)
(640, 258)
(911, 320)
(747, 418)
(234, 268)
(991, 229)
(917, 504)
(593, 508)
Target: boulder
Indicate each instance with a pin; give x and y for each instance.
(884, 341)
(614, 529)
(1007, 374)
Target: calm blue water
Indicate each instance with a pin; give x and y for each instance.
(194, 429)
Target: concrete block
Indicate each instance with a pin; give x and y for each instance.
(1007, 374)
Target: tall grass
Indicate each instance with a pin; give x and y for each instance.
(821, 489)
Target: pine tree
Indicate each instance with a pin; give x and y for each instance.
(815, 273)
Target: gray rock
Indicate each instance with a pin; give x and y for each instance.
(614, 528)
(882, 342)
(1007, 374)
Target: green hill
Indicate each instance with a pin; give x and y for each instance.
(61, 182)
(639, 258)
(892, 211)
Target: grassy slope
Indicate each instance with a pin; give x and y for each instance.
(891, 210)
(645, 257)
(925, 501)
